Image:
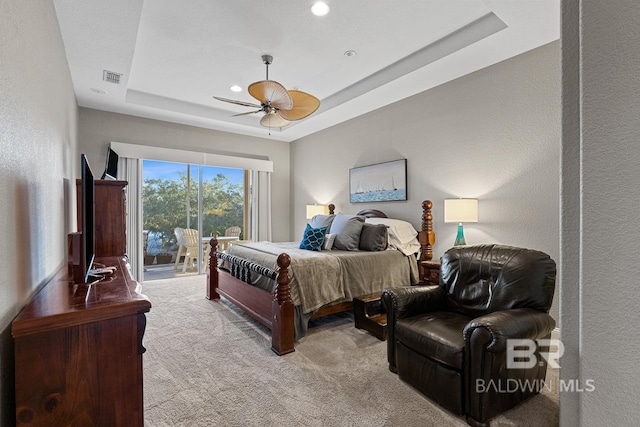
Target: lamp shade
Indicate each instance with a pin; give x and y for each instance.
(461, 210)
(313, 210)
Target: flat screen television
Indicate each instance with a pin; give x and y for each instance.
(111, 165)
(88, 217)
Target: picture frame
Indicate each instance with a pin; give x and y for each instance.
(380, 182)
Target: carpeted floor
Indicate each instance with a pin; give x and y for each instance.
(207, 364)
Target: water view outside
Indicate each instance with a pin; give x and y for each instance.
(170, 199)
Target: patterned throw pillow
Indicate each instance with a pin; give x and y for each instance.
(313, 238)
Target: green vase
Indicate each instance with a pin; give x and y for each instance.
(460, 237)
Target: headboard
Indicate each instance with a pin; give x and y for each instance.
(372, 213)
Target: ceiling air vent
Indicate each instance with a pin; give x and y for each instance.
(111, 77)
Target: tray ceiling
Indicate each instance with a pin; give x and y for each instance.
(173, 56)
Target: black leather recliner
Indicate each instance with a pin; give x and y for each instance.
(450, 341)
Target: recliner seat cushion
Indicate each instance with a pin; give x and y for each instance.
(437, 335)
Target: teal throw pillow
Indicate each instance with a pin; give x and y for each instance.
(313, 238)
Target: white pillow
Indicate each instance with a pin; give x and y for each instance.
(328, 241)
(402, 235)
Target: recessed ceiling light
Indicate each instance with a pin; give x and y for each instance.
(350, 53)
(99, 91)
(236, 88)
(320, 8)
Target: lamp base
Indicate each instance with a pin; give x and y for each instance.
(460, 237)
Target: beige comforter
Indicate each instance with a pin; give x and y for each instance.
(321, 278)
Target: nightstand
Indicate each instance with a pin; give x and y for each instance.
(369, 315)
(430, 272)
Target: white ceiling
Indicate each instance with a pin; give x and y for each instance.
(176, 55)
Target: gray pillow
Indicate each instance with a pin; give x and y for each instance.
(347, 229)
(374, 237)
(321, 221)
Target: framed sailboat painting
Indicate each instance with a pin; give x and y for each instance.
(382, 182)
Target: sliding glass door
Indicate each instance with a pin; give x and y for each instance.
(202, 200)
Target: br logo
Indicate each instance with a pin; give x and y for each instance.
(521, 353)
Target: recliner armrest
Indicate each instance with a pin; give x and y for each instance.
(517, 323)
(406, 302)
(486, 361)
(413, 300)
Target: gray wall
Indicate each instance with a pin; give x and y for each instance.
(493, 135)
(38, 163)
(600, 211)
(98, 128)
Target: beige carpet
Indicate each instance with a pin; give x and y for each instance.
(207, 364)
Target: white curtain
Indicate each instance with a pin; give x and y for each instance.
(130, 170)
(261, 206)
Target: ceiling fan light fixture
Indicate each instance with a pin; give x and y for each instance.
(320, 8)
(273, 120)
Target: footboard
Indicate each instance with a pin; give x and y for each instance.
(272, 309)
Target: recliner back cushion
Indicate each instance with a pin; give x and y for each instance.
(486, 278)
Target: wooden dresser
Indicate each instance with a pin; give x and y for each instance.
(110, 216)
(78, 352)
(78, 347)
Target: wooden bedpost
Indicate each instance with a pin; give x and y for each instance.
(212, 270)
(332, 208)
(426, 236)
(282, 330)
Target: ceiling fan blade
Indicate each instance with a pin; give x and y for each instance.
(247, 113)
(246, 104)
(304, 105)
(271, 92)
(273, 120)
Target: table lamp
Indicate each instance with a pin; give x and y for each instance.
(460, 210)
(313, 210)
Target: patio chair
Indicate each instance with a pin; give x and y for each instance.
(233, 231)
(192, 248)
(182, 249)
(230, 234)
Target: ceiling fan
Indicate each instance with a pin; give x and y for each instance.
(281, 106)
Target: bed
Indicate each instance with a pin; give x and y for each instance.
(283, 286)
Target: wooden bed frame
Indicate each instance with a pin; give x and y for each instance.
(275, 310)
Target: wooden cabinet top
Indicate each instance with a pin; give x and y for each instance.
(61, 303)
(106, 182)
